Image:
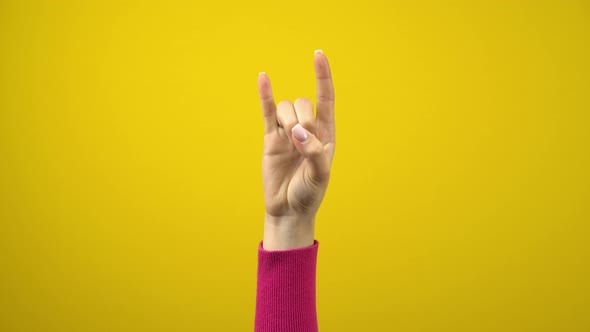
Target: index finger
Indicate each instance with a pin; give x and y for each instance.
(325, 98)
(267, 102)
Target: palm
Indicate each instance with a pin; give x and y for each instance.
(295, 174)
(282, 171)
(286, 175)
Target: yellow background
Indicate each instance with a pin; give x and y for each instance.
(130, 147)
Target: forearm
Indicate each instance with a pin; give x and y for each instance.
(286, 290)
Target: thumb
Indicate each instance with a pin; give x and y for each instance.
(313, 150)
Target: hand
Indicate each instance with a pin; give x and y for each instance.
(298, 153)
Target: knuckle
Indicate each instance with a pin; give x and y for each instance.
(308, 124)
(326, 99)
(319, 178)
(284, 104)
(316, 150)
(303, 101)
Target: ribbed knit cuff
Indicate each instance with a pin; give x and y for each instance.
(285, 295)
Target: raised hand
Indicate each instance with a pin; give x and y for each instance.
(298, 152)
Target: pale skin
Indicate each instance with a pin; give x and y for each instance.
(298, 153)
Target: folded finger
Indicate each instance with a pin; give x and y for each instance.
(286, 117)
(304, 112)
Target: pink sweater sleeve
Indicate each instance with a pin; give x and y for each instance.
(285, 295)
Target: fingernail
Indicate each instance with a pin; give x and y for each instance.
(318, 52)
(261, 73)
(300, 133)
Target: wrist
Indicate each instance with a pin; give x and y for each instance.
(288, 232)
